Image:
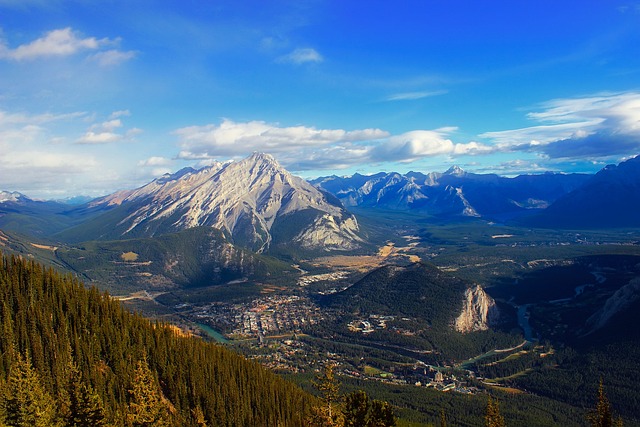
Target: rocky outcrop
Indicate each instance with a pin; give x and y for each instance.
(621, 300)
(479, 311)
(330, 232)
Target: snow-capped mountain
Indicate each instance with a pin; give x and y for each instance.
(454, 192)
(255, 202)
(12, 196)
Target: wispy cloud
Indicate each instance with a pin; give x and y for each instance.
(410, 96)
(301, 56)
(600, 125)
(66, 42)
(108, 131)
(155, 161)
(112, 57)
(156, 165)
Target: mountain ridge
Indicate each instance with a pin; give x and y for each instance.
(452, 193)
(610, 198)
(242, 199)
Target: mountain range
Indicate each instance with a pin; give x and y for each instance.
(254, 202)
(259, 205)
(453, 193)
(609, 198)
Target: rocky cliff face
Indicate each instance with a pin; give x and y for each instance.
(621, 300)
(243, 199)
(479, 311)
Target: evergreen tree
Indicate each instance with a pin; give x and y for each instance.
(26, 403)
(381, 415)
(146, 408)
(356, 407)
(493, 418)
(443, 418)
(359, 412)
(198, 417)
(327, 414)
(602, 415)
(85, 405)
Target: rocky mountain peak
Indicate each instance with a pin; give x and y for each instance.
(455, 171)
(245, 199)
(12, 196)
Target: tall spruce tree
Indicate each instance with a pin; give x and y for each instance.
(602, 414)
(443, 418)
(493, 418)
(25, 402)
(381, 415)
(146, 408)
(356, 408)
(327, 413)
(85, 405)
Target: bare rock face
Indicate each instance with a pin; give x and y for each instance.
(330, 232)
(621, 300)
(243, 199)
(479, 311)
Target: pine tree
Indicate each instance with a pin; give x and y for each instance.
(381, 415)
(493, 418)
(26, 403)
(602, 415)
(356, 407)
(443, 418)
(146, 408)
(85, 406)
(198, 417)
(327, 414)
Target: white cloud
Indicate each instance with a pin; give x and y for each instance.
(587, 127)
(302, 56)
(38, 156)
(237, 139)
(112, 57)
(40, 171)
(99, 138)
(155, 161)
(304, 148)
(67, 42)
(120, 113)
(411, 96)
(47, 162)
(107, 132)
(417, 144)
(7, 119)
(61, 42)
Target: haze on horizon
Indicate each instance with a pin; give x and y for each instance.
(96, 96)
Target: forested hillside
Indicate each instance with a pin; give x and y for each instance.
(69, 353)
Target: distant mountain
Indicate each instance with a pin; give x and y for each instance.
(611, 198)
(454, 192)
(12, 196)
(24, 215)
(255, 202)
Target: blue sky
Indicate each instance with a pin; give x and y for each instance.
(97, 96)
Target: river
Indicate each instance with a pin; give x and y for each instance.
(212, 333)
